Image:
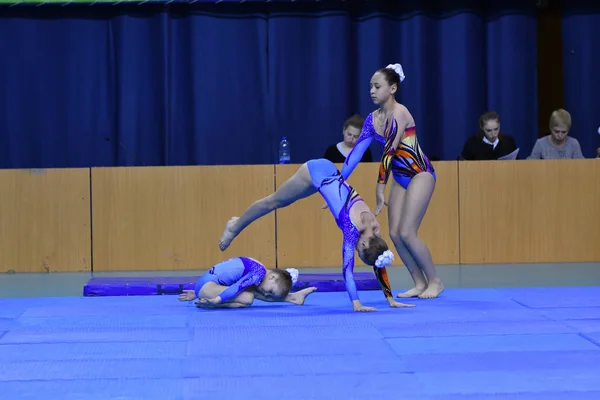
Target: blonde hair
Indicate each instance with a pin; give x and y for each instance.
(560, 117)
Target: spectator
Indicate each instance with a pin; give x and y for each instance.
(488, 143)
(557, 145)
(337, 153)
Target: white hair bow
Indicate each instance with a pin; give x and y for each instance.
(384, 259)
(294, 273)
(398, 69)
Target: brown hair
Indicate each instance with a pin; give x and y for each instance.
(391, 76)
(488, 116)
(356, 121)
(284, 279)
(376, 248)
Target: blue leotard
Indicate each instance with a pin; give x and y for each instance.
(340, 198)
(238, 273)
(404, 162)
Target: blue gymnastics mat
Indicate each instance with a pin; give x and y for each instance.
(474, 344)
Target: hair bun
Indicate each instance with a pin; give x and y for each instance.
(294, 274)
(397, 68)
(384, 259)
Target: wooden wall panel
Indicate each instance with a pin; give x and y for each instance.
(171, 218)
(45, 220)
(529, 211)
(307, 236)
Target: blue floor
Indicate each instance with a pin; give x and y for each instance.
(475, 344)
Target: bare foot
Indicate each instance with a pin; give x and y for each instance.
(414, 292)
(300, 296)
(228, 234)
(187, 295)
(433, 290)
(201, 304)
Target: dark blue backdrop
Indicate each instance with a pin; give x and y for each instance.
(221, 83)
(581, 64)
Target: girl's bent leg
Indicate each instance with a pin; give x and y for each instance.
(211, 290)
(415, 205)
(395, 207)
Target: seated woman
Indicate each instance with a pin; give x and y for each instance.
(337, 153)
(488, 143)
(359, 227)
(558, 144)
(236, 282)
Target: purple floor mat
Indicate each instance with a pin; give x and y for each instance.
(160, 285)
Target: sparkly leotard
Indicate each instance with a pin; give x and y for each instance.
(340, 198)
(405, 161)
(238, 273)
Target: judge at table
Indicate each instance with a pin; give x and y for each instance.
(489, 143)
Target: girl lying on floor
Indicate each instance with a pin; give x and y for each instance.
(236, 282)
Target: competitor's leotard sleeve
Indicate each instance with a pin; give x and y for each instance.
(385, 167)
(253, 275)
(384, 282)
(348, 268)
(362, 144)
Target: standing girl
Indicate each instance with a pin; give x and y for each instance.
(394, 128)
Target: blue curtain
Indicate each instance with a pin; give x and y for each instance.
(222, 83)
(115, 86)
(581, 65)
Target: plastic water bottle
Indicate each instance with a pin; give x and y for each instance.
(284, 151)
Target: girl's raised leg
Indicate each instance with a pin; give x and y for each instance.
(297, 187)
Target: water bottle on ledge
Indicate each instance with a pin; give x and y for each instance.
(284, 151)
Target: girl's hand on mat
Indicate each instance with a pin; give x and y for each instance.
(395, 304)
(187, 295)
(362, 308)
